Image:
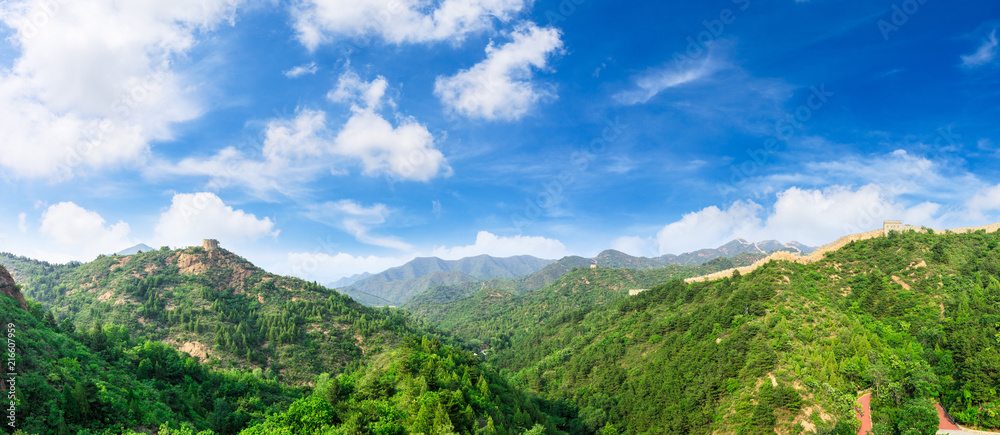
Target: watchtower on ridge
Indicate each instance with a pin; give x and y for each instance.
(209, 245)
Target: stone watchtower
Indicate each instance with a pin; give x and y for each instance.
(891, 226)
(209, 245)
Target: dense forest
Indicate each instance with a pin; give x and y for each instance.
(182, 342)
(105, 380)
(494, 316)
(218, 307)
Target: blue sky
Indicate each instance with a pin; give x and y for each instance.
(323, 138)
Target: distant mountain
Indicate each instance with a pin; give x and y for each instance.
(732, 249)
(398, 284)
(617, 259)
(555, 271)
(142, 247)
(348, 280)
(523, 274)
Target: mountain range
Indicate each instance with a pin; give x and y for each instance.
(396, 286)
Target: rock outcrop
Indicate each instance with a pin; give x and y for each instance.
(9, 287)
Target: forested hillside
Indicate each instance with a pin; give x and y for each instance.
(497, 313)
(389, 378)
(218, 307)
(73, 380)
(912, 318)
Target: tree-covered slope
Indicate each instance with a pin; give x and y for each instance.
(85, 381)
(912, 318)
(419, 387)
(495, 315)
(219, 308)
(374, 375)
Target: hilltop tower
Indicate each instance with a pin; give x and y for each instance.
(891, 226)
(209, 245)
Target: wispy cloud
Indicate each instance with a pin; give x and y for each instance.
(301, 70)
(651, 83)
(358, 221)
(986, 53)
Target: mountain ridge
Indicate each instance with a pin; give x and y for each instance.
(398, 285)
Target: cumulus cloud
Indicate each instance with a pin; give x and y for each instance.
(811, 216)
(80, 234)
(501, 86)
(301, 70)
(986, 53)
(22, 222)
(358, 221)
(498, 246)
(298, 150)
(398, 21)
(94, 83)
(196, 216)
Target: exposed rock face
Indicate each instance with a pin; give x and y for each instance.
(9, 288)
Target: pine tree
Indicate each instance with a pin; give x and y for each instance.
(442, 422)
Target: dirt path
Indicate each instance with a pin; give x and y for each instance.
(865, 413)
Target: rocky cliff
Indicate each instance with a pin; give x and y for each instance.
(9, 287)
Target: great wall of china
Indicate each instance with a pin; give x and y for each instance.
(819, 253)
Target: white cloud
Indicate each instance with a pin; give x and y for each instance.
(987, 199)
(500, 87)
(301, 70)
(899, 173)
(398, 21)
(654, 81)
(358, 221)
(80, 234)
(298, 150)
(497, 246)
(364, 95)
(405, 151)
(94, 83)
(196, 216)
(325, 268)
(986, 53)
(22, 222)
(636, 246)
(809, 216)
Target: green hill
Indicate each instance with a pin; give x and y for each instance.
(494, 316)
(304, 359)
(218, 307)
